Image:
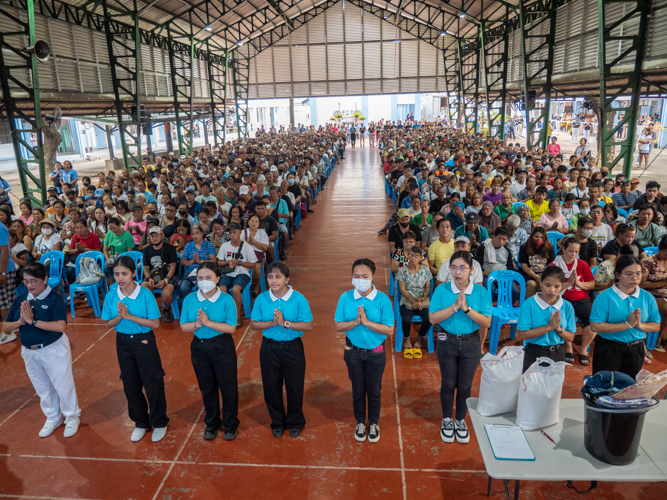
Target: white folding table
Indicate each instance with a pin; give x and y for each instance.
(568, 459)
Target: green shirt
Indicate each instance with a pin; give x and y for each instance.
(503, 213)
(121, 244)
(417, 219)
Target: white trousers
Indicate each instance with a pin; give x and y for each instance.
(575, 135)
(50, 371)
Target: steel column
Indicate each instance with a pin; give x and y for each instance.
(451, 64)
(617, 42)
(494, 54)
(469, 55)
(182, 77)
(216, 76)
(12, 42)
(240, 80)
(538, 23)
(125, 64)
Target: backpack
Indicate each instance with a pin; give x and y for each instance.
(89, 272)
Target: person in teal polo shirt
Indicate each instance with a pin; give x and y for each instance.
(133, 312)
(461, 307)
(211, 316)
(546, 321)
(367, 318)
(283, 314)
(621, 316)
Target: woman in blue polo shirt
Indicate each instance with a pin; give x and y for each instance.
(211, 315)
(621, 316)
(462, 308)
(133, 312)
(367, 318)
(40, 316)
(282, 314)
(546, 321)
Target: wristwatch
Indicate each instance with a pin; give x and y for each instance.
(33, 322)
(287, 324)
(468, 310)
(3, 274)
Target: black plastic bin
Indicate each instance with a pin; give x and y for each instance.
(612, 436)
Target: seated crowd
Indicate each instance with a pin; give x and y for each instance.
(539, 214)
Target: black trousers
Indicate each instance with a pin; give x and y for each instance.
(214, 362)
(458, 357)
(534, 351)
(283, 361)
(406, 320)
(365, 368)
(141, 369)
(626, 357)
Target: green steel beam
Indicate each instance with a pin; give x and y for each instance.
(538, 29)
(125, 64)
(240, 78)
(180, 68)
(469, 58)
(495, 58)
(217, 75)
(224, 102)
(22, 137)
(450, 62)
(618, 42)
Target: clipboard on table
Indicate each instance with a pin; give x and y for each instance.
(508, 442)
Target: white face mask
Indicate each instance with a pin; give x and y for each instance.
(47, 231)
(206, 286)
(585, 211)
(587, 233)
(362, 285)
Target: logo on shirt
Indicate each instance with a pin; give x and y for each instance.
(45, 307)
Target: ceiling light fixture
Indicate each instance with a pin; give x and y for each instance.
(240, 42)
(443, 33)
(208, 27)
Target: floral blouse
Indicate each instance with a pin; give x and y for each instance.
(415, 284)
(655, 274)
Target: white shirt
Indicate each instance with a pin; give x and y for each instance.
(260, 236)
(43, 245)
(228, 252)
(602, 235)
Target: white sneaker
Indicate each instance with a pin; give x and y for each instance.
(137, 434)
(71, 426)
(462, 434)
(360, 433)
(159, 433)
(50, 426)
(374, 433)
(447, 430)
(7, 337)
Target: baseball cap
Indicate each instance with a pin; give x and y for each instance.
(403, 212)
(463, 239)
(134, 207)
(472, 218)
(155, 229)
(625, 181)
(244, 190)
(99, 192)
(635, 180)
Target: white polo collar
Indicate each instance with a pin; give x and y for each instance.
(133, 295)
(623, 295)
(201, 298)
(543, 305)
(284, 297)
(468, 289)
(370, 296)
(41, 296)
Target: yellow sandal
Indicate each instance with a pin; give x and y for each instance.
(417, 353)
(408, 353)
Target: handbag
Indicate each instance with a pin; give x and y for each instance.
(425, 304)
(226, 268)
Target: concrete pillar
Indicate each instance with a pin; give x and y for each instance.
(313, 111)
(418, 107)
(394, 108)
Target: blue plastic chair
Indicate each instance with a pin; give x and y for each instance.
(246, 298)
(56, 270)
(276, 249)
(650, 251)
(297, 219)
(415, 319)
(92, 291)
(554, 238)
(504, 312)
(138, 259)
(623, 212)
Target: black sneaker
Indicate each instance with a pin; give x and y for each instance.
(447, 430)
(210, 433)
(294, 433)
(382, 231)
(230, 435)
(374, 433)
(462, 434)
(277, 433)
(168, 316)
(360, 433)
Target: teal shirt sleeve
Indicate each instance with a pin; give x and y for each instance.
(340, 309)
(188, 312)
(652, 312)
(152, 309)
(436, 301)
(525, 316)
(483, 233)
(485, 306)
(230, 311)
(600, 308)
(304, 313)
(567, 321)
(256, 314)
(109, 308)
(387, 311)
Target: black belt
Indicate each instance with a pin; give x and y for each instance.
(465, 336)
(350, 344)
(36, 347)
(537, 347)
(631, 343)
(139, 336)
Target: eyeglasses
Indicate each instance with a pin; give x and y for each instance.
(461, 269)
(30, 282)
(630, 275)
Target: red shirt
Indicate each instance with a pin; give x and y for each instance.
(92, 242)
(584, 274)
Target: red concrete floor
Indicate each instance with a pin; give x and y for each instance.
(410, 461)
